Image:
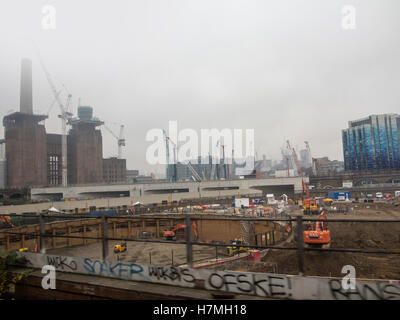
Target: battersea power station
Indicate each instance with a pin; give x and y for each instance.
(34, 157)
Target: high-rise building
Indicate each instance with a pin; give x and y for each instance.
(372, 143)
(325, 167)
(305, 158)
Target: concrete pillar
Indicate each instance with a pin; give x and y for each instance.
(42, 231)
(157, 228)
(104, 235)
(188, 234)
(7, 242)
(300, 244)
(114, 230)
(84, 234)
(68, 234)
(129, 228)
(22, 241)
(53, 238)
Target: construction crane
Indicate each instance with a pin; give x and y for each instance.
(313, 168)
(120, 139)
(298, 166)
(166, 153)
(308, 149)
(223, 160)
(196, 176)
(232, 167)
(258, 167)
(167, 140)
(288, 166)
(289, 147)
(295, 160)
(212, 173)
(65, 116)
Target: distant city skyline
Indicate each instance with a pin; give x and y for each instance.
(287, 70)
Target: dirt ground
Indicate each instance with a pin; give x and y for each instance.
(140, 252)
(363, 235)
(360, 235)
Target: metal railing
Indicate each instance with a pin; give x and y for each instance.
(189, 237)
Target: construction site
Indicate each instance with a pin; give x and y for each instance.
(345, 235)
(247, 239)
(198, 227)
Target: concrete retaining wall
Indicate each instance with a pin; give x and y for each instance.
(257, 284)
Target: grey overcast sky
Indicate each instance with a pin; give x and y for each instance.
(286, 68)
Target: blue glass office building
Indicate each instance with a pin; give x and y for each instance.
(372, 143)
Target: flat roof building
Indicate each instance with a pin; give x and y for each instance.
(114, 170)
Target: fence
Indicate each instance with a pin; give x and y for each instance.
(189, 242)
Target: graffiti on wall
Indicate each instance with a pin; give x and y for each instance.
(258, 284)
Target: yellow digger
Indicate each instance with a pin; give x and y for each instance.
(236, 247)
(118, 248)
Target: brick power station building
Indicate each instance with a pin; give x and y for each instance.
(34, 158)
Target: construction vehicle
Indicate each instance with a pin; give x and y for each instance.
(118, 248)
(316, 233)
(7, 220)
(65, 116)
(171, 234)
(237, 246)
(327, 201)
(23, 250)
(309, 204)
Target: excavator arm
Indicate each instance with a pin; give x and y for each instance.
(305, 188)
(6, 219)
(171, 233)
(178, 226)
(195, 230)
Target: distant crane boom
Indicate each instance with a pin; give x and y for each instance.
(194, 172)
(65, 115)
(168, 139)
(292, 160)
(120, 139)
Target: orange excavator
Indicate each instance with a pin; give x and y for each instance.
(171, 235)
(7, 220)
(316, 233)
